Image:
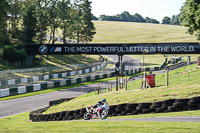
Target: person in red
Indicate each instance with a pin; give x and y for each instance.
(99, 106)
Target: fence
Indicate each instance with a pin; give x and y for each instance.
(187, 74)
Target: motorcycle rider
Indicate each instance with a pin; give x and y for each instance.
(100, 104)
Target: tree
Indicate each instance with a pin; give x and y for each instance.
(15, 17)
(190, 14)
(42, 18)
(65, 17)
(166, 20)
(88, 29)
(94, 17)
(175, 20)
(53, 19)
(139, 18)
(3, 22)
(29, 22)
(151, 20)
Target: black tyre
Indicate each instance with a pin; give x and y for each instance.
(158, 104)
(120, 109)
(169, 102)
(153, 107)
(144, 104)
(159, 110)
(146, 111)
(132, 105)
(179, 104)
(135, 112)
(165, 106)
(114, 114)
(142, 107)
(86, 116)
(195, 99)
(193, 103)
(71, 117)
(123, 112)
(182, 100)
(173, 108)
(122, 105)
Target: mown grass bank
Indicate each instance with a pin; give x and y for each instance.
(20, 123)
(130, 32)
(179, 88)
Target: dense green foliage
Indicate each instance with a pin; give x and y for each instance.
(30, 21)
(127, 17)
(175, 20)
(190, 17)
(11, 54)
(166, 20)
(3, 23)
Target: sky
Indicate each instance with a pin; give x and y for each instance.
(156, 9)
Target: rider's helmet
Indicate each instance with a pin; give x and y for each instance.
(103, 100)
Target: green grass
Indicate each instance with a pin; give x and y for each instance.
(56, 60)
(157, 60)
(183, 84)
(20, 123)
(171, 114)
(129, 32)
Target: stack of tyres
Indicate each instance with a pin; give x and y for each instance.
(82, 112)
(143, 108)
(165, 106)
(178, 105)
(156, 106)
(77, 114)
(112, 110)
(120, 110)
(194, 103)
(70, 115)
(131, 108)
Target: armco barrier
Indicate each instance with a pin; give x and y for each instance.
(171, 105)
(54, 84)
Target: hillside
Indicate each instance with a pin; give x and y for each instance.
(130, 32)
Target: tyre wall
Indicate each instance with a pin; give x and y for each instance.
(171, 105)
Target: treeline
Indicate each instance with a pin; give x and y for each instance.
(175, 20)
(30, 21)
(127, 17)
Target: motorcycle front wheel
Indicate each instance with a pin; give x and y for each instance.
(104, 114)
(86, 116)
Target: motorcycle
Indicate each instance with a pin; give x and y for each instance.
(91, 113)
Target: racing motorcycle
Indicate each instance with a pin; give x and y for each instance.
(91, 113)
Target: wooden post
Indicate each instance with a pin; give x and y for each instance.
(145, 81)
(110, 86)
(98, 90)
(126, 83)
(167, 82)
(116, 83)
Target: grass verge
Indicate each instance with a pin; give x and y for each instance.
(20, 123)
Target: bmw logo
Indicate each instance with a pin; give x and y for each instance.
(43, 49)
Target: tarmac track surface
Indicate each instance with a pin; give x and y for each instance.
(26, 104)
(159, 119)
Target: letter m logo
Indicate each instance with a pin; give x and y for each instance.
(58, 49)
